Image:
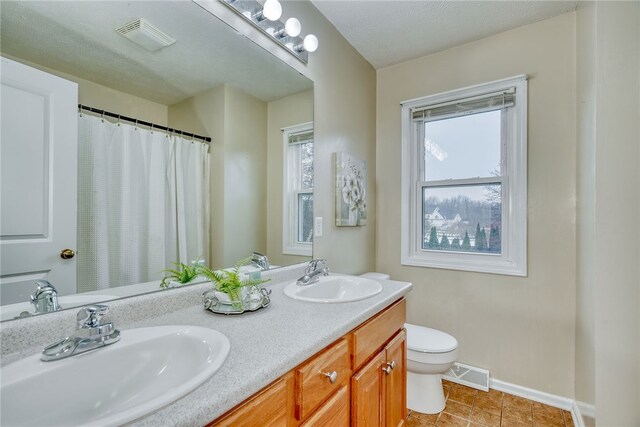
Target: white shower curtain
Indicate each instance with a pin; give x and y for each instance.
(143, 203)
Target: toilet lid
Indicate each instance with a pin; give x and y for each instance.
(427, 340)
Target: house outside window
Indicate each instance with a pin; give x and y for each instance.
(464, 182)
(298, 190)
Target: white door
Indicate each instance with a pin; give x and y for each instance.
(38, 169)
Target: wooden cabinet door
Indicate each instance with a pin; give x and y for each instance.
(334, 413)
(267, 408)
(396, 381)
(368, 393)
(313, 385)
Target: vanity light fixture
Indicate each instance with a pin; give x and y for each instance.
(291, 28)
(310, 43)
(272, 10)
(266, 17)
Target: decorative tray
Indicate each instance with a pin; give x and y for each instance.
(255, 299)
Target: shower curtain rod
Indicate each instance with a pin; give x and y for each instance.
(143, 123)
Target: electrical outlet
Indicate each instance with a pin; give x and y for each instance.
(317, 227)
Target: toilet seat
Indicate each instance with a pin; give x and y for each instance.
(427, 340)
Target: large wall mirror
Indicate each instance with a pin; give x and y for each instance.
(107, 172)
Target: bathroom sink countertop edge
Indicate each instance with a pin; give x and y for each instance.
(265, 345)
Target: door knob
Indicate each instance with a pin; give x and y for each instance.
(67, 253)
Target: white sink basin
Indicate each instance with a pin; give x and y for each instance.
(11, 311)
(332, 289)
(144, 371)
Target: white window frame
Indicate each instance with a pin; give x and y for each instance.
(513, 257)
(291, 191)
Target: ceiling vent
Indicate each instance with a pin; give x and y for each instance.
(146, 35)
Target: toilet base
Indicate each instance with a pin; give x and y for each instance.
(424, 393)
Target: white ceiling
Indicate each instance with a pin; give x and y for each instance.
(387, 32)
(79, 38)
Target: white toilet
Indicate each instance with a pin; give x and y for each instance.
(429, 353)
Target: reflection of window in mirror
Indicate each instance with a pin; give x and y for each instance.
(297, 227)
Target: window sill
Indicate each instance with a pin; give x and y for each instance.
(294, 250)
(494, 264)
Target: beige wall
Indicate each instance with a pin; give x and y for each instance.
(237, 124)
(344, 120)
(608, 319)
(285, 112)
(245, 170)
(203, 114)
(105, 98)
(522, 329)
(617, 209)
(585, 220)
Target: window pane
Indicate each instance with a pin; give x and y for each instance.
(463, 147)
(306, 165)
(305, 215)
(462, 218)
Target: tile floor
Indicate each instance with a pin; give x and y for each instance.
(467, 407)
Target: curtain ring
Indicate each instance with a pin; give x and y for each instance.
(151, 127)
(118, 119)
(135, 124)
(102, 116)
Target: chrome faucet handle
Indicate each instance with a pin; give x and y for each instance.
(45, 298)
(89, 316)
(315, 264)
(43, 286)
(90, 335)
(260, 260)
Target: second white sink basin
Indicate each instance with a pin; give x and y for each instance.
(144, 371)
(334, 288)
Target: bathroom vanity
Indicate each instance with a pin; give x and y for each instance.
(361, 376)
(277, 361)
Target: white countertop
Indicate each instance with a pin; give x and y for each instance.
(265, 345)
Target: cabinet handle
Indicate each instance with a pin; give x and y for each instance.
(333, 376)
(389, 367)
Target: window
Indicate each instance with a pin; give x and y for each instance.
(298, 190)
(464, 179)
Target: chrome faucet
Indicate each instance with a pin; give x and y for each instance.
(259, 260)
(45, 298)
(90, 334)
(315, 269)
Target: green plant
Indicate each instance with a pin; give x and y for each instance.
(182, 274)
(229, 281)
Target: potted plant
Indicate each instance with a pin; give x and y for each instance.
(230, 286)
(181, 275)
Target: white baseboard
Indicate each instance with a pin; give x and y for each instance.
(577, 409)
(531, 394)
(582, 409)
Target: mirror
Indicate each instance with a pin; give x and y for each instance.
(127, 180)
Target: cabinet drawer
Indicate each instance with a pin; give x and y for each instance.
(313, 386)
(371, 336)
(334, 413)
(267, 408)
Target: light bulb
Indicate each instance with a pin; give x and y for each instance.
(292, 27)
(272, 10)
(310, 43)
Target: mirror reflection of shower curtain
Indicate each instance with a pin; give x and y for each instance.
(143, 203)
